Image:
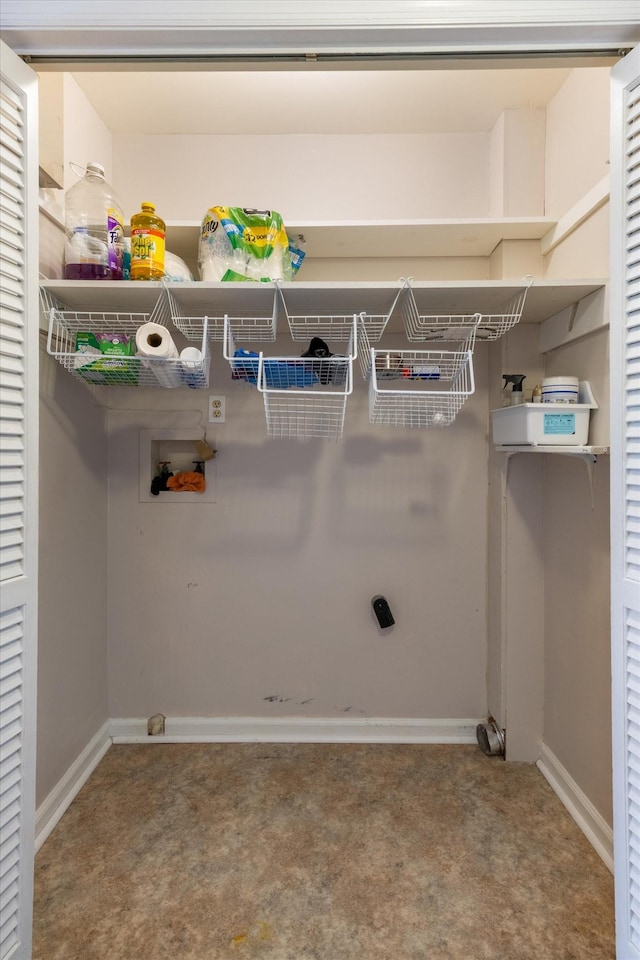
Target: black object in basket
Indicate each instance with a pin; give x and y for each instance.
(325, 371)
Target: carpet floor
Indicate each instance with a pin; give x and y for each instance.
(318, 852)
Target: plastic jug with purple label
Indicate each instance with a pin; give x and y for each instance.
(94, 227)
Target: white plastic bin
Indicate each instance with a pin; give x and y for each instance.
(542, 424)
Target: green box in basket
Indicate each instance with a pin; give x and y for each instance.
(106, 358)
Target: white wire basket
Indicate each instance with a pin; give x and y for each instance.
(254, 327)
(303, 396)
(488, 326)
(116, 370)
(47, 302)
(418, 388)
(335, 326)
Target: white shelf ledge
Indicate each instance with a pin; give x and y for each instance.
(586, 451)
(339, 239)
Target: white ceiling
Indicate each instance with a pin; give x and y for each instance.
(318, 101)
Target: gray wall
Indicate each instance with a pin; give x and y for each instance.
(72, 644)
(549, 674)
(577, 674)
(216, 607)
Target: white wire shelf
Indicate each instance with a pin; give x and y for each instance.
(303, 396)
(116, 370)
(455, 326)
(417, 388)
(544, 299)
(251, 327)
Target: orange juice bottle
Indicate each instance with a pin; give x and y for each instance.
(147, 244)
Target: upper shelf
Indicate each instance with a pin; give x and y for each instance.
(383, 238)
(545, 297)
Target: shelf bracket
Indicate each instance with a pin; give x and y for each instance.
(506, 460)
(588, 458)
(572, 317)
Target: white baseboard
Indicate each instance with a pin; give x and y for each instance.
(52, 808)
(297, 730)
(593, 825)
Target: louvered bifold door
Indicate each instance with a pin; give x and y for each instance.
(625, 496)
(18, 498)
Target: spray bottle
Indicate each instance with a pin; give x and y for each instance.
(514, 396)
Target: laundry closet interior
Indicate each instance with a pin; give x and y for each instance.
(247, 611)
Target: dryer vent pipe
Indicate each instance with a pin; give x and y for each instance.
(490, 738)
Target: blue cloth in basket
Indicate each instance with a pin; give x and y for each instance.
(278, 374)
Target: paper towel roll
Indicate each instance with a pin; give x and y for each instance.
(154, 341)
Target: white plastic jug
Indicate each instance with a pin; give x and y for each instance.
(94, 224)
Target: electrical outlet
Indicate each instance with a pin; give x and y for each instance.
(216, 409)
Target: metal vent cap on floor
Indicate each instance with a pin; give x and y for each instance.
(490, 738)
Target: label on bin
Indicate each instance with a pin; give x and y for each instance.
(555, 423)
